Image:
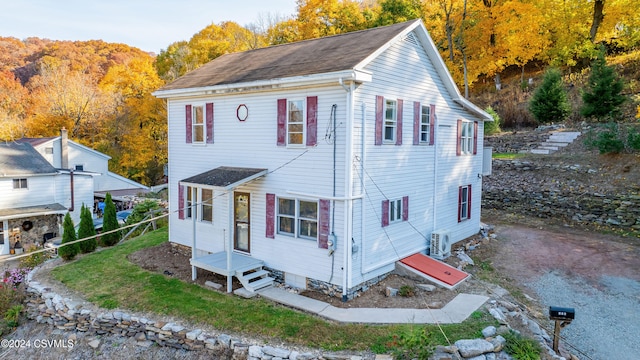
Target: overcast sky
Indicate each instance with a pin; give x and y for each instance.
(150, 25)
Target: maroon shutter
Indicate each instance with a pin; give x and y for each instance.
(405, 208)
(323, 233)
(187, 125)
(270, 216)
(180, 202)
(379, 118)
(432, 124)
(475, 137)
(417, 119)
(385, 213)
(469, 203)
(460, 204)
(209, 115)
(399, 123)
(312, 120)
(459, 139)
(282, 122)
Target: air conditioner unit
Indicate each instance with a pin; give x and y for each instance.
(440, 244)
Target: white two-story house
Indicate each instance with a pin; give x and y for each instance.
(34, 196)
(322, 162)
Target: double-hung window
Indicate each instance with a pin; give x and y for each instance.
(466, 137)
(207, 205)
(464, 203)
(298, 218)
(395, 210)
(295, 122)
(19, 183)
(390, 120)
(197, 124)
(425, 118)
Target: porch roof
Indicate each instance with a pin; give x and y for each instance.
(225, 177)
(39, 210)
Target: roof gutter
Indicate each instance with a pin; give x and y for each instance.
(271, 84)
(471, 107)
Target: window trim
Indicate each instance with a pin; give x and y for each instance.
(195, 125)
(20, 183)
(297, 218)
(466, 141)
(188, 202)
(395, 210)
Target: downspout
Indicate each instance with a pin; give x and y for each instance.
(363, 192)
(193, 240)
(435, 179)
(72, 195)
(346, 281)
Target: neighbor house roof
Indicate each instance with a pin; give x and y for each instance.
(36, 141)
(316, 56)
(38, 210)
(21, 159)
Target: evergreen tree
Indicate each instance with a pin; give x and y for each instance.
(85, 230)
(110, 222)
(602, 98)
(549, 102)
(68, 252)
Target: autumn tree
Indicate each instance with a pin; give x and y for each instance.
(395, 11)
(13, 97)
(549, 102)
(602, 97)
(318, 18)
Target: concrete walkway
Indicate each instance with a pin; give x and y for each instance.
(456, 311)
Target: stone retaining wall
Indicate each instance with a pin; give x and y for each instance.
(47, 307)
(579, 206)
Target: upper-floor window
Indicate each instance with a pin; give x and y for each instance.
(390, 120)
(295, 122)
(48, 150)
(467, 142)
(425, 118)
(298, 218)
(19, 183)
(79, 167)
(199, 124)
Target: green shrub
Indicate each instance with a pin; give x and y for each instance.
(549, 102)
(68, 252)
(633, 139)
(413, 344)
(85, 230)
(522, 348)
(607, 140)
(34, 259)
(603, 96)
(12, 315)
(140, 212)
(110, 223)
(406, 291)
(492, 127)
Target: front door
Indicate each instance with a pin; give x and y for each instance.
(241, 239)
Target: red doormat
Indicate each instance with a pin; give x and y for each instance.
(435, 269)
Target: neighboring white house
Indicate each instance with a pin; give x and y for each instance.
(325, 160)
(34, 196)
(63, 153)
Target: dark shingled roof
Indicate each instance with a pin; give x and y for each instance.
(22, 159)
(225, 176)
(35, 141)
(316, 56)
(39, 209)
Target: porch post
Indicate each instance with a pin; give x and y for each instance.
(230, 201)
(193, 245)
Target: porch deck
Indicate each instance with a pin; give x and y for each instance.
(217, 263)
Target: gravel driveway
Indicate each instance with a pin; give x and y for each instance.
(598, 275)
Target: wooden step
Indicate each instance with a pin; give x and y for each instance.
(255, 274)
(259, 284)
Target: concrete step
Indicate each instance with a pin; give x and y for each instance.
(540, 151)
(554, 143)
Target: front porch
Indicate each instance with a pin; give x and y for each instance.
(247, 269)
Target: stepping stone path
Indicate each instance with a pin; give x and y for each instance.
(555, 141)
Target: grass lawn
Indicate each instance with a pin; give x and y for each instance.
(508, 156)
(109, 280)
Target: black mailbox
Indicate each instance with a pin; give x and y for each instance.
(561, 313)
